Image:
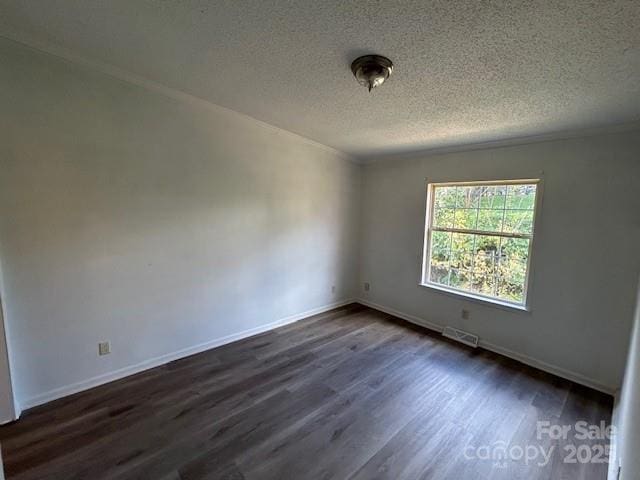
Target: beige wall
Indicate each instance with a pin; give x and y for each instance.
(7, 404)
(162, 225)
(585, 259)
(153, 223)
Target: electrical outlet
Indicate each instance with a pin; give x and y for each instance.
(104, 348)
(465, 314)
(367, 287)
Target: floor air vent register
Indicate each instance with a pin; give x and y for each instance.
(461, 336)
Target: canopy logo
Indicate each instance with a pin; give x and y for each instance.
(500, 454)
(582, 443)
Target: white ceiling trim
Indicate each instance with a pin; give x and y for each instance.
(156, 87)
(508, 142)
(175, 94)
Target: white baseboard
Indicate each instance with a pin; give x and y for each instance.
(404, 316)
(170, 357)
(14, 415)
(549, 368)
(526, 359)
(157, 361)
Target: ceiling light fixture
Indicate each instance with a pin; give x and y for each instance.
(371, 70)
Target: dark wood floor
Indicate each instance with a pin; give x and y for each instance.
(352, 394)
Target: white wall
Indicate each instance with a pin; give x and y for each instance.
(7, 404)
(160, 225)
(9, 408)
(585, 259)
(155, 224)
(628, 421)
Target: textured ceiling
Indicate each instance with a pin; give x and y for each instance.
(466, 71)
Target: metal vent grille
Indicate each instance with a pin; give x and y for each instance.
(460, 336)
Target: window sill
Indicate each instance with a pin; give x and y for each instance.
(477, 298)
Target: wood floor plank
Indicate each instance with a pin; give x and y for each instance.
(352, 393)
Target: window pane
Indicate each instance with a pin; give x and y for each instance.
(485, 263)
(460, 279)
(486, 197)
(493, 197)
(490, 220)
(465, 218)
(443, 217)
(510, 291)
(515, 249)
(468, 197)
(484, 279)
(439, 274)
(462, 251)
(512, 269)
(521, 196)
(518, 221)
(440, 246)
(487, 244)
(444, 197)
(440, 256)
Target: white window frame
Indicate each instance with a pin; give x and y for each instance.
(424, 278)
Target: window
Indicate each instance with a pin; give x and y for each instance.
(478, 239)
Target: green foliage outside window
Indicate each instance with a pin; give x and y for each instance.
(487, 251)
